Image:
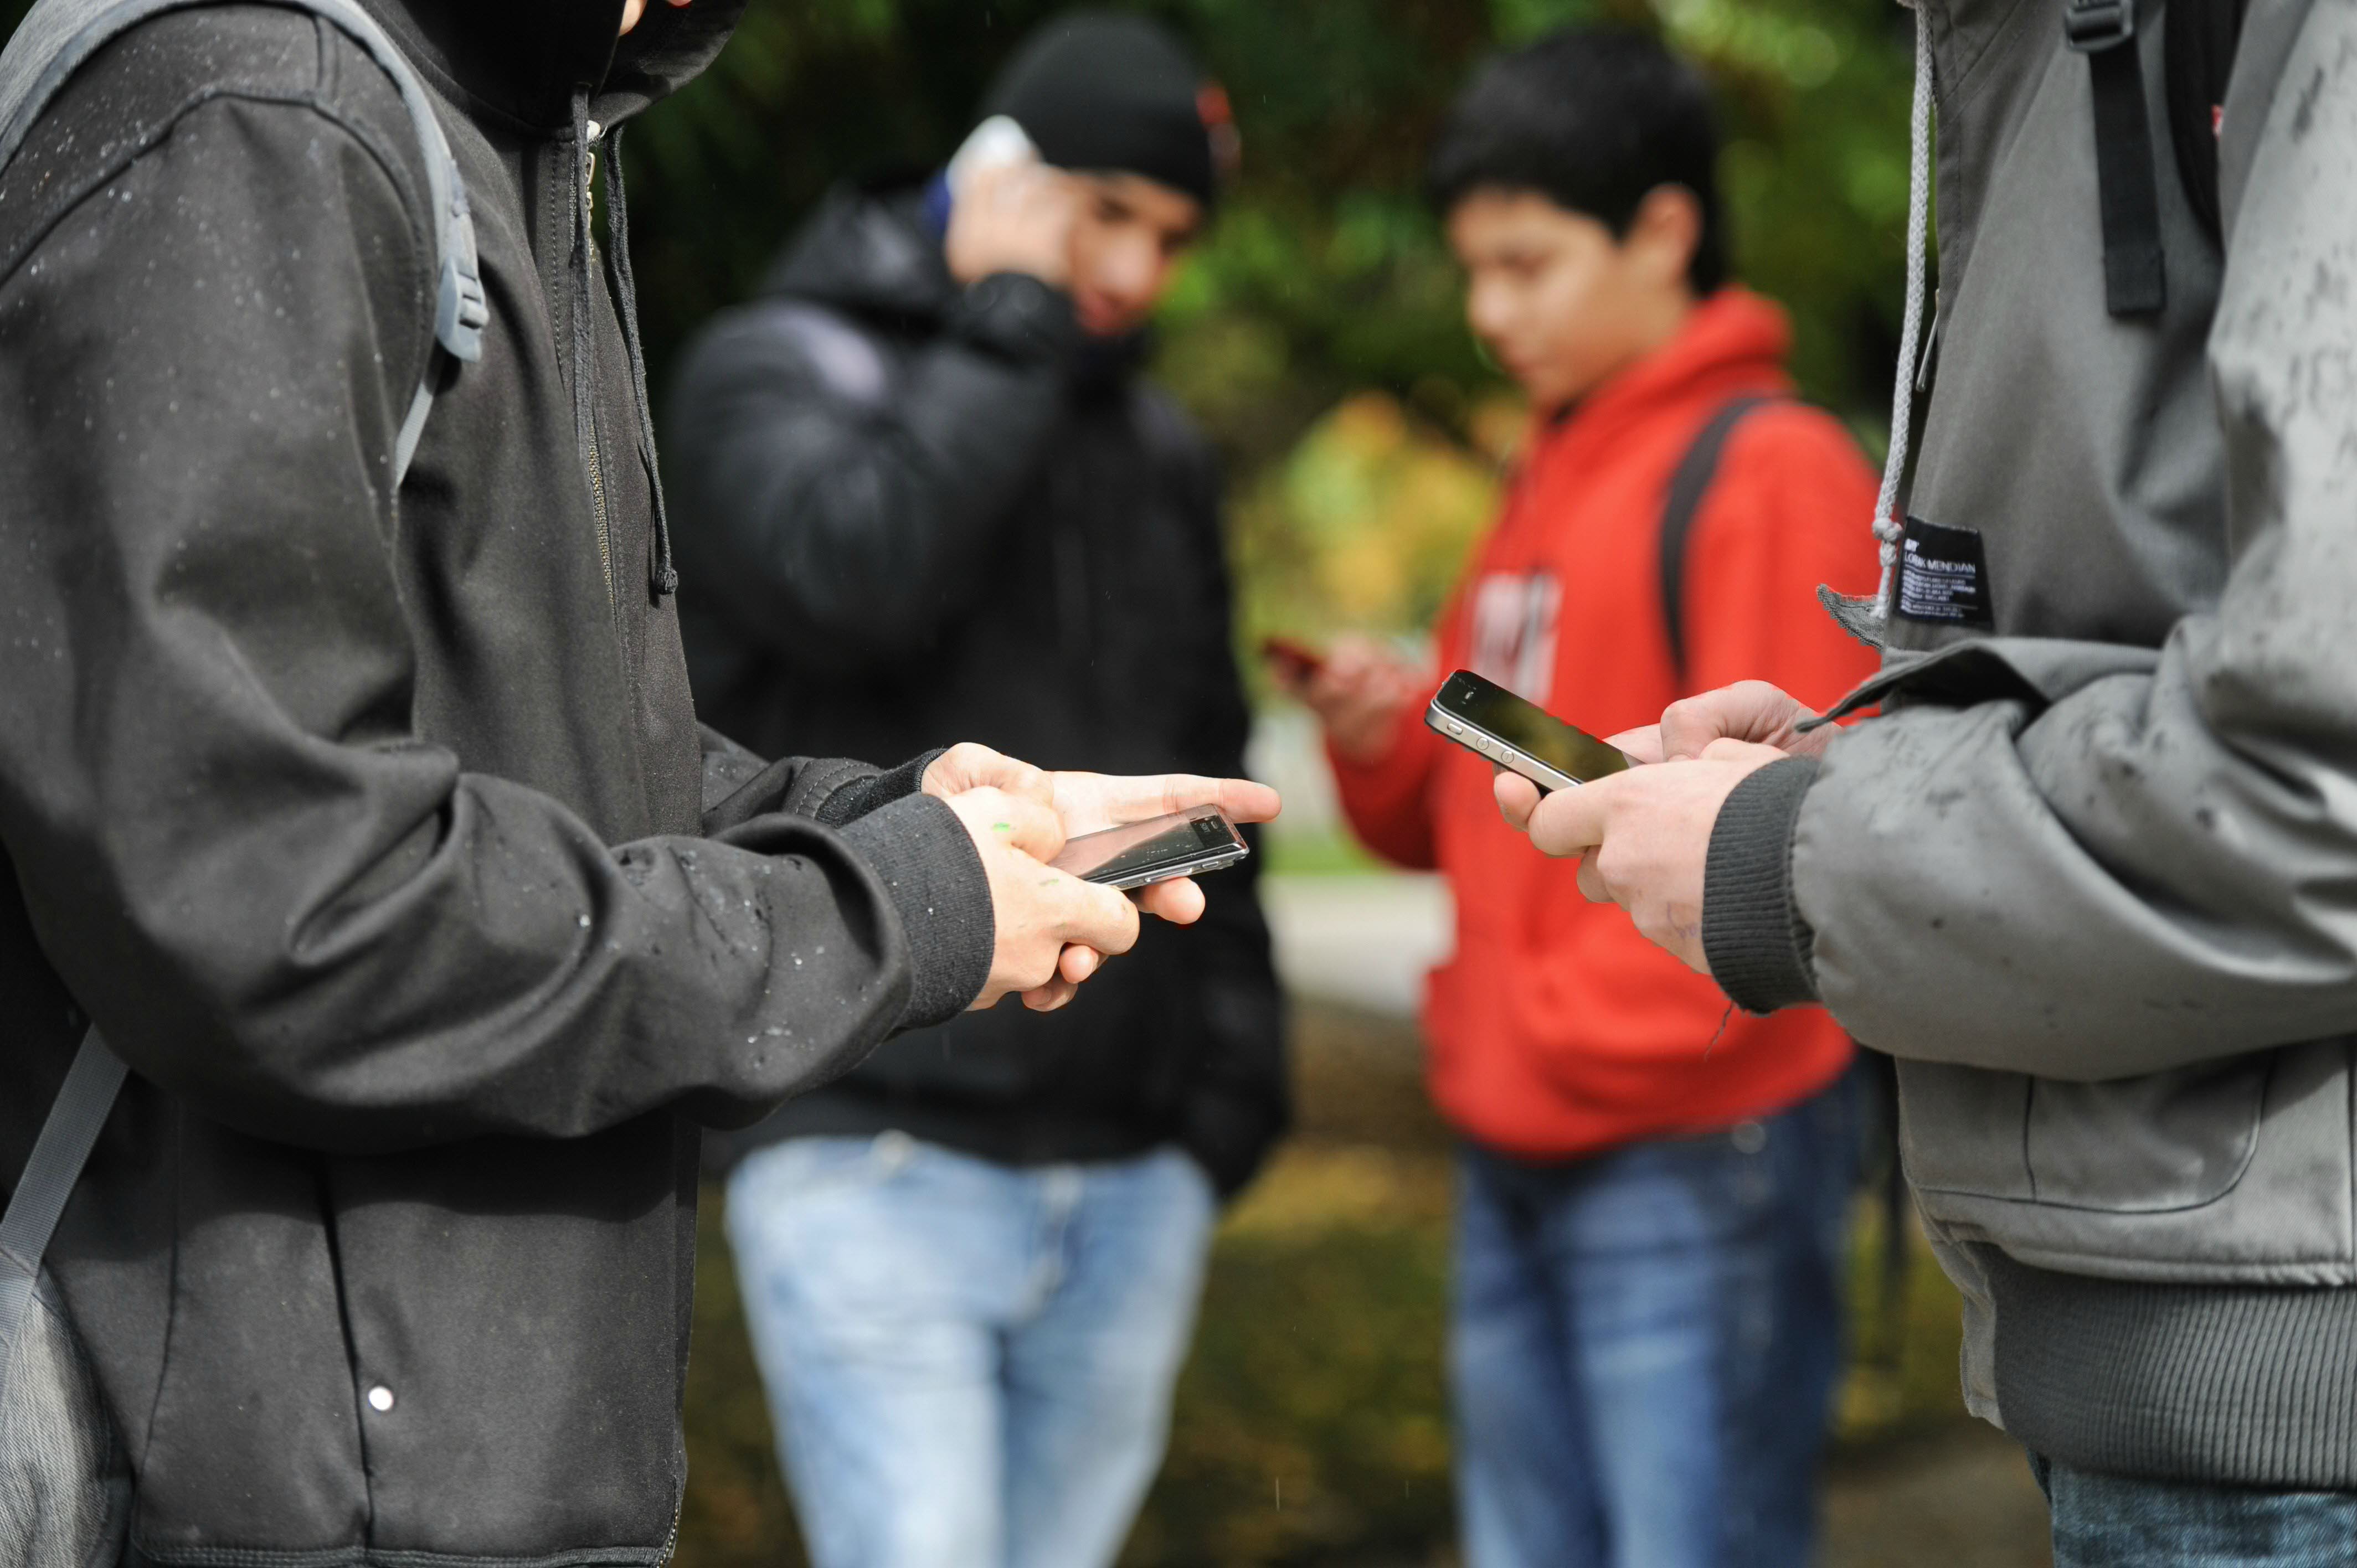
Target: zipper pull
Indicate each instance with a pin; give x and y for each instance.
(594, 136)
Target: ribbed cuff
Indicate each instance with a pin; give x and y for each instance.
(2238, 1385)
(919, 847)
(1752, 935)
(862, 795)
(1016, 315)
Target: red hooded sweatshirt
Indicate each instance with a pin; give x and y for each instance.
(1555, 1028)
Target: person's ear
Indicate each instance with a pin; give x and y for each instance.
(1664, 234)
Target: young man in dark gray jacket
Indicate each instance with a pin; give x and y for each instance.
(373, 825)
(2089, 876)
(937, 490)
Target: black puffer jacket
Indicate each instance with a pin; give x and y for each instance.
(920, 506)
(370, 827)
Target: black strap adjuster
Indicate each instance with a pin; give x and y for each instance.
(2092, 26)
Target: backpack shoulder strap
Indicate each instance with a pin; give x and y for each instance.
(60, 1152)
(54, 40)
(58, 36)
(1688, 484)
(2199, 43)
(2135, 280)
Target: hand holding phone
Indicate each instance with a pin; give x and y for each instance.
(1489, 721)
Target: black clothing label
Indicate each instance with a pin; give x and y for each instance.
(1943, 576)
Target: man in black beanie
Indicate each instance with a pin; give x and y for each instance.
(923, 485)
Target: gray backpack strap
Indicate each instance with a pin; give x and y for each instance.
(58, 1154)
(53, 41)
(58, 36)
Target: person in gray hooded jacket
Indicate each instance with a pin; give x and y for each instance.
(2089, 874)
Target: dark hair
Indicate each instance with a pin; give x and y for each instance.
(1592, 118)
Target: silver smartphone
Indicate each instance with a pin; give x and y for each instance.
(1484, 716)
(1184, 844)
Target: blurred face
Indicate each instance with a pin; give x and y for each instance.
(1561, 301)
(1126, 239)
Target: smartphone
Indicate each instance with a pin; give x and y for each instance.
(998, 140)
(1184, 844)
(1294, 663)
(1484, 716)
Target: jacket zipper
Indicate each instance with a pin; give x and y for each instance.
(597, 466)
(597, 510)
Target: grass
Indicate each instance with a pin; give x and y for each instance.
(1330, 852)
(1311, 1426)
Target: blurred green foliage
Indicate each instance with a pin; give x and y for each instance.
(1326, 273)
(1324, 289)
(1318, 332)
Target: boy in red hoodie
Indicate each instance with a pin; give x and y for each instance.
(1645, 1330)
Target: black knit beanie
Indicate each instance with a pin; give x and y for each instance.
(1096, 89)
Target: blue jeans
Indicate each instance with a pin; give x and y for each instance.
(2112, 1521)
(969, 1364)
(1644, 1344)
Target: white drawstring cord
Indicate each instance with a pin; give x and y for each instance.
(1887, 526)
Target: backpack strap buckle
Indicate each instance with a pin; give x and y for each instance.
(461, 308)
(2092, 26)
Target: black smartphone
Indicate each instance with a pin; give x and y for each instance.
(1484, 716)
(1184, 844)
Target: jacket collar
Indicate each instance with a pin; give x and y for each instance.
(522, 60)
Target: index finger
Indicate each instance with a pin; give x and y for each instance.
(1092, 800)
(1644, 743)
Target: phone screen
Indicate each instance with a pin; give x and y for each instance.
(1138, 853)
(1529, 728)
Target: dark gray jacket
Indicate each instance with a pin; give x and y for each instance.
(930, 509)
(2091, 877)
(376, 831)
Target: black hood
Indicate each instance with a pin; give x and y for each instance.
(870, 251)
(523, 59)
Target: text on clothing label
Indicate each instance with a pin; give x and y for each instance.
(1943, 576)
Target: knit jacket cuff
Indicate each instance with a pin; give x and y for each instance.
(919, 848)
(1017, 317)
(1752, 933)
(866, 793)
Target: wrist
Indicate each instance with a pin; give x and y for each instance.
(920, 849)
(1754, 938)
(1016, 315)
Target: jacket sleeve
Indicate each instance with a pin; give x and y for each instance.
(1388, 801)
(2117, 862)
(278, 901)
(1240, 1101)
(738, 786)
(841, 521)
